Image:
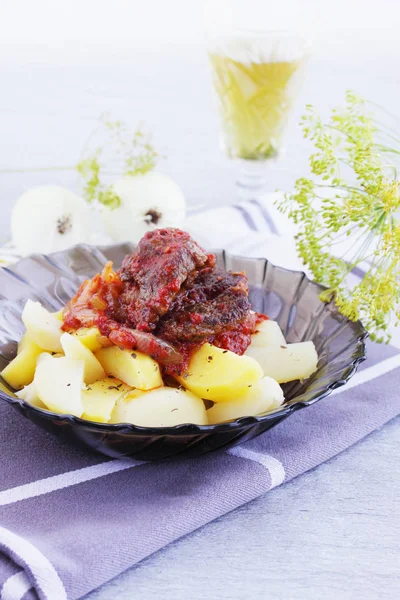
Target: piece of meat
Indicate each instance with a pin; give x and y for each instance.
(132, 339)
(153, 275)
(216, 303)
(166, 300)
(238, 338)
(94, 304)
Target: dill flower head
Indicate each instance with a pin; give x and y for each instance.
(351, 202)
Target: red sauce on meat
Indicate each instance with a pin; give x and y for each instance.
(167, 300)
(261, 318)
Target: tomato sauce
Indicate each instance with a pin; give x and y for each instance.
(192, 307)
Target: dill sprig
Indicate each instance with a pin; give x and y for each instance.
(347, 213)
(121, 153)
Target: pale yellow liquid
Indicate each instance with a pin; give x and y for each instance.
(255, 100)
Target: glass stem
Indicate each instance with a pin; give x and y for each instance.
(251, 186)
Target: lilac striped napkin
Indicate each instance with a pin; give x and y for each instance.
(72, 520)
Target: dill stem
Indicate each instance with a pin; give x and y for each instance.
(385, 149)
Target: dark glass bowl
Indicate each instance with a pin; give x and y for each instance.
(289, 297)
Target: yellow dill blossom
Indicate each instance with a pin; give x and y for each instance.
(352, 194)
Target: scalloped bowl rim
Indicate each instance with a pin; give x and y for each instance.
(191, 428)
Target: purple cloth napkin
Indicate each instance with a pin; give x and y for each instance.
(71, 520)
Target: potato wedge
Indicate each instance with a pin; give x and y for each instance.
(264, 395)
(219, 375)
(268, 333)
(100, 397)
(21, 370)
(73, 348)
(90, 337)
(162, 407)
(28, 393)
(59, 382)
(130, 366)
(287, 362)
(42, 326)
(46, 356)
(24, 341)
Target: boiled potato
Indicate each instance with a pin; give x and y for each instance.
(264, 395)
(90, 337)
(24, 341)
(21, 370)
(130, 366)
(268, 333)
(42, 326)
(219, 375)
(59, 382)
(119, 413)
(45, 356)
(75, 349)
(287, 362)
(100, 397)
(163, 407)
(28, 393)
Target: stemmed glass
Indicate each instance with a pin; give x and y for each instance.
(257, 51)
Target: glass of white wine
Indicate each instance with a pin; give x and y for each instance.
(257, 50)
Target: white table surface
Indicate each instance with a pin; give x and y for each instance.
(333, 533)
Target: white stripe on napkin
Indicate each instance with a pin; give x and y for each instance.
(273, 465)
(25, 554)
(15, 587)
(63, 480)
(389, 364)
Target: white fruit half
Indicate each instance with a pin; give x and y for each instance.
(148, 201)
(49, 218)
